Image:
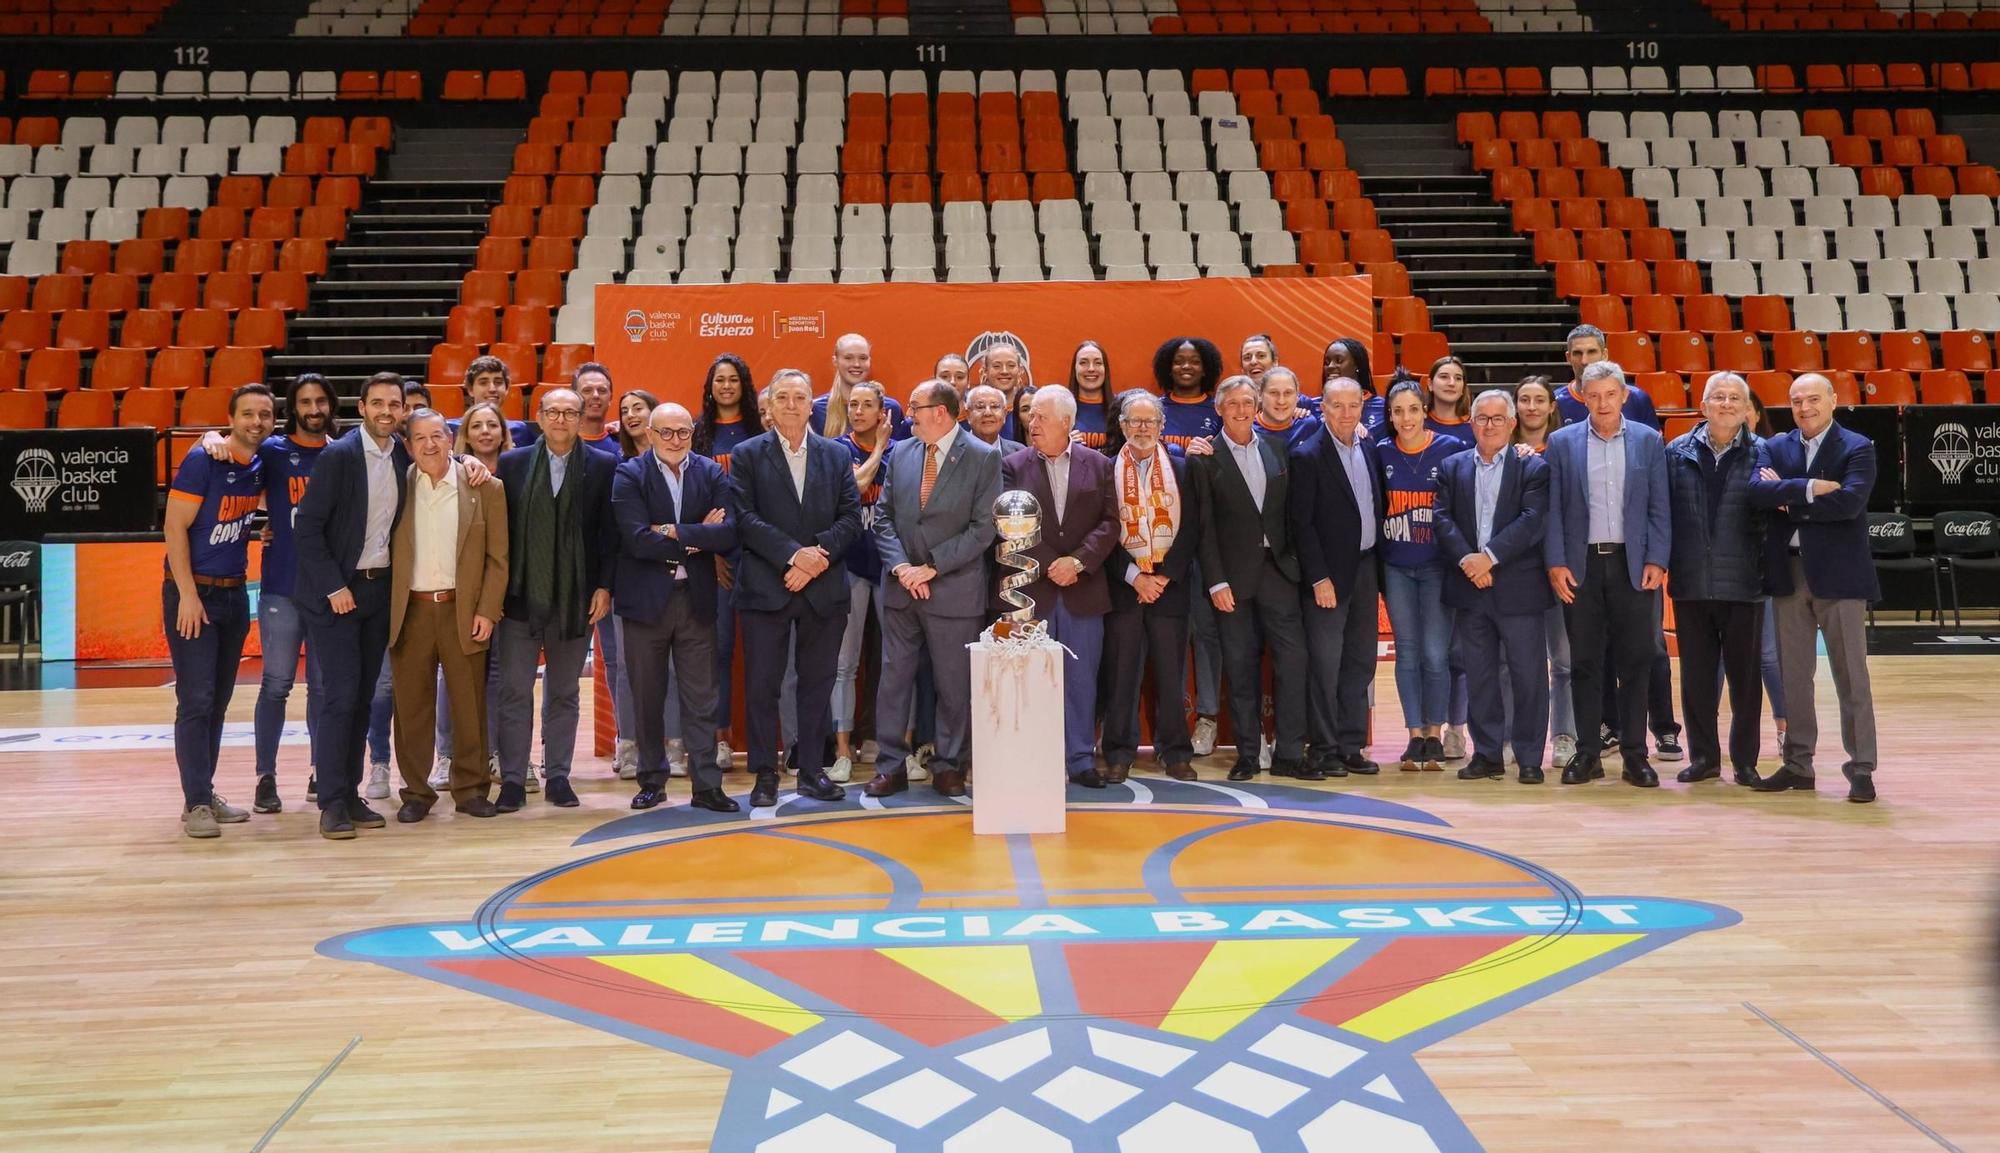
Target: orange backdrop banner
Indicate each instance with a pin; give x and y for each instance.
(662, 337)
(118, 616)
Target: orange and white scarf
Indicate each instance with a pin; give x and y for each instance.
(1149, 519)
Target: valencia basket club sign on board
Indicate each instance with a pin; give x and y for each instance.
(76, 481)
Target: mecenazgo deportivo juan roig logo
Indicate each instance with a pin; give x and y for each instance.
(1190, 966)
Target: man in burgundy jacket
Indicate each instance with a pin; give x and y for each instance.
(1079, 531)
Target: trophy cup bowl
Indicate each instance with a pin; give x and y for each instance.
(1018, 517)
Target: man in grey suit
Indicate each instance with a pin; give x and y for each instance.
(933, 524)
(1610, 539)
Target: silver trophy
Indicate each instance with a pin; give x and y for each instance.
(1018, 517)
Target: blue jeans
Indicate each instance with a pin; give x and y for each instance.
(381, 707)
(1422, 626)
(284, 633)
(1084, 637)
(204, 680)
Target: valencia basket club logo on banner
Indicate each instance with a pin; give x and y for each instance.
(1207, 968)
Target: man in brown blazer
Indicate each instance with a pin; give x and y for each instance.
(1079, 531)
(448, 560)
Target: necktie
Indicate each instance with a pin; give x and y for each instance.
(930, 476)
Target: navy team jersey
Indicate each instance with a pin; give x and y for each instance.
(287, 464)
(1289, 437)
(227, 491)
(864, 560)
(1188, 420)
(1090, 422)
(606, 444)
(728, 435)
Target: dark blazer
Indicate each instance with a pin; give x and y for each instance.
(331, 519)
(953, 533)
(1648, 523)
(1088, 531)
(1719, 533)
(1520, 522)
(1180, 555)
(772, 523)
(1325, 521)
(1833, 529)
(645, 560)
(593, 502)
(1233, 532)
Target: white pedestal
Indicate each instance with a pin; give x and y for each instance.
(1017, 740)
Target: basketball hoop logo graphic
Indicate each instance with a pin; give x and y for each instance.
(636, 325)
(1138, 982)
(36, 479)
(1951, 452)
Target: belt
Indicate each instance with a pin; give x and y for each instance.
(218, 582)
(1606, 548)
(372, 574)
(441, 596)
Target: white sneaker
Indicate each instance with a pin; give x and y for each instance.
(1565, 749)
(378, 779)
(918, 764)
(725, 757)
(840, 770)
(1507, 757)
(440, 775)
(1454, 742)
(533, 782)
(1204, 736)
(626, 759)
(677, 758)
(1264, 750)
(493, 768)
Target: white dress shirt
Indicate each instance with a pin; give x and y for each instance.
(380, 461)
(795, 459)
(1250, 462)
(1058, 470)
(1355, 464)
(673, 479)
(1812, 445)
(435, 507)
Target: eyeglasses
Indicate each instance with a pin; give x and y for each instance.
(1491, 418)
(917, 408)
(561, 413)
(673, 433)
(1140, 424)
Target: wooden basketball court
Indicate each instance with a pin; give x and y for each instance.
(1724, 971)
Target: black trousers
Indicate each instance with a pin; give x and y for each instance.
(767, 636)
(684, 640)
(1610, 635)
(1659, 683)
(1341, 652)
(1133, 638)
(352, 647)
(1265, 617)
(1734, 632)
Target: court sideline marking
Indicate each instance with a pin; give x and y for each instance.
(1880, 1097)
(301, 1099)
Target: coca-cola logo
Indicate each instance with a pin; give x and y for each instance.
(1888, 530)
(1968, 528)
(17, 559)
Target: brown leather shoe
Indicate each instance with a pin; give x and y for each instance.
(887, 784)
(948, 782)
(478, 807)
(1181, 772)
(1116, 774)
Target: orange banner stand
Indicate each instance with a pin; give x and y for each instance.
(662, 337)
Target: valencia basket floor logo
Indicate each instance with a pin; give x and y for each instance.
(1256, 970)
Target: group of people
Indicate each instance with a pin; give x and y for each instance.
(1523, 540)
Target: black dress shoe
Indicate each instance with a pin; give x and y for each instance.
(412, 812)
(334, 825)
(363, 816)
(1785, 778)
(1860, 786)
(1360, 765)
(1482, 768)
(1325, 762)
(765, 794)
(477, 807)
(1581, 769)
(648, 798)
(1693, 773)
(1639, 774)
(816, 785)
(1088, 778)
(1531, 775)
(714, 800)
(1243, 771)
(558, 791)
(887, 784)
(1284, 768)
(512, 797)
(1747, 777)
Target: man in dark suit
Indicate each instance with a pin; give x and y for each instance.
(1246, 555)
(933, 527)
(343, 526)
(1336, 518)
(1819, 477)
(559, 586)
(672, 510)
(798, 514)
(1492, 516)
(1079, 532)
(1609, 542)
(1159, 533)
(986, 414)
